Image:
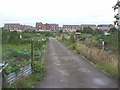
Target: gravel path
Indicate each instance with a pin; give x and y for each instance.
(67, 70)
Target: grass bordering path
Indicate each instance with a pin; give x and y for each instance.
(35, 78)
(104, 61)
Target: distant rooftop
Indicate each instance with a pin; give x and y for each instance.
(88, 24)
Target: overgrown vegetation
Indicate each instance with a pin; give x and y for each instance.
(17, 52)
(88, 44)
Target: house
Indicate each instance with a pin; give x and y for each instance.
(17, 27)
(41, 26)
(53, 27)
(105, 27)
(92, 26)
(71, 27)
(28, 27)
(12, 26)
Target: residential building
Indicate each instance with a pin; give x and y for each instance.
(47, 26)
(17, 27)
(12, 26)
(105, 27)
(53, 26)
(41, 26)
(28, 27)
(92, 26)
(71, 27)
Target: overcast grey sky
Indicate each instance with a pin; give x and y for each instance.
(57, 11)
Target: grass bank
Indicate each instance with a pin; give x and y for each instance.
(102, 59)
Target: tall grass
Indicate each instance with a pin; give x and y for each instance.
(103, 59)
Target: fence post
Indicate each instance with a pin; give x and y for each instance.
(4, 81)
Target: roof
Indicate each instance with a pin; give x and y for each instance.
(105, 25)
(71, 25)
(12, 23)
(88, 25)
(38, 22)
(53, 24)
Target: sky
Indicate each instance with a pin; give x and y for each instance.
(73, 12)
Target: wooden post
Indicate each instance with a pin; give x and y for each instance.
(4, 83)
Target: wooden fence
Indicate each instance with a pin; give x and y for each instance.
(12, 77)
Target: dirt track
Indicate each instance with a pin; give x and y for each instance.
(67, 70)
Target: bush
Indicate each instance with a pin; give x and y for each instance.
(98, 32)
(87, 30)
(38, 67)
(112, 41)
(113, 30)
(15, 66)
(10, 37)
(19, 55)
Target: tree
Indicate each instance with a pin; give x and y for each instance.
(98, 31)
(78, 30)
(87, 30)
(61, 31)
(117, 6)
(113, 30)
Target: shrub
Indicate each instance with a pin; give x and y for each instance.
(38, 67)
(87, 30)
(98, 32)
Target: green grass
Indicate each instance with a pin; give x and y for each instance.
(107, 67)
(28, 81)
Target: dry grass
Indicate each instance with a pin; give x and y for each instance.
(103, 59)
